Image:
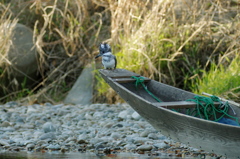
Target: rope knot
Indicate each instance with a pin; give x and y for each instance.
(139, 80)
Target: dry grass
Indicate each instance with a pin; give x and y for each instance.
(66, 34)
(171, 41)
(7, 23)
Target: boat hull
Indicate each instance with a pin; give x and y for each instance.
(210, 136)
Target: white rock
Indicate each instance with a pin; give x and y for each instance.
(31, 110)
(160, 145)
(136, 116)
(123, 114)
(130, 147)
(145, 148)
(115, 135)
(88, 116)
(49, 127)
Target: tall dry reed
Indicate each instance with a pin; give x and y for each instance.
(171, 41)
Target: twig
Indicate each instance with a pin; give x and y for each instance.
(225, 100)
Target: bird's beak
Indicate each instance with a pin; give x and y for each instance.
(98, 56)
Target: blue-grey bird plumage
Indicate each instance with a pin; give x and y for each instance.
(109, 61)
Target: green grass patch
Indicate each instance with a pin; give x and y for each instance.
(220, 80)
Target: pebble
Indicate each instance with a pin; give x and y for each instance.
(5, 124)
(50, 136)
(66, 128)
(136, 116)
(48, 127)
(145, 147)
(4, 143)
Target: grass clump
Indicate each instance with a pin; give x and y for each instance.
(221, 81)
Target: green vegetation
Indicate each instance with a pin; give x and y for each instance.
(221, 81)
(182, 43)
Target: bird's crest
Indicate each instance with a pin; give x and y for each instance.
(104, 47)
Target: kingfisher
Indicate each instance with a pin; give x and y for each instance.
(109, 61)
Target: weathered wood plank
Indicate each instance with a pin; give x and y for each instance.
(126, 80)
(179, 104)
(118, 73)
(123, 76)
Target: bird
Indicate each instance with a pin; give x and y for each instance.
(109, 61)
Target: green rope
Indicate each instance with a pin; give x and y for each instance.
(140, 80)
(204, 109)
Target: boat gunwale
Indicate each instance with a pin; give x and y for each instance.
(165, 109)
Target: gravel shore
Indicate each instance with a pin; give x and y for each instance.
(100, 128)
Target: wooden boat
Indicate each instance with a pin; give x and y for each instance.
(211, 136)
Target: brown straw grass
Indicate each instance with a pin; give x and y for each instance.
(170, 41)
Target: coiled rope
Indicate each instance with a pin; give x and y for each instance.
(205, 107)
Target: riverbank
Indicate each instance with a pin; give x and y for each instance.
(102, 129)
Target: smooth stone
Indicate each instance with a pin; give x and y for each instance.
(83, 137)
(95, 140)
(5, 124)
(39, 123)
(30, 146)
(108, 125)
(130, 146)
(74, 139)
(161, 145)
(49, 127)
(139, 140)
(49, 135)
(5, 116)
(27, 126)
(47, 104)
(98, 115)
(82, 141)
(37, 134)
(145, 133)
(28, 141)
(23, 57)
(12, 104)
(131, 138)
(145, 147)
(123, 114)
(115, 135)
(8, 129)
(27, 134)
(41, 142)
(63, 112)
(88, 116)
(71, 143)
(152, 136)
(100, 145)
(20, 120)
(4, 142)
(136, 116)
(53, 147)
(31, 110)
(4, 136)
(117, 126)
